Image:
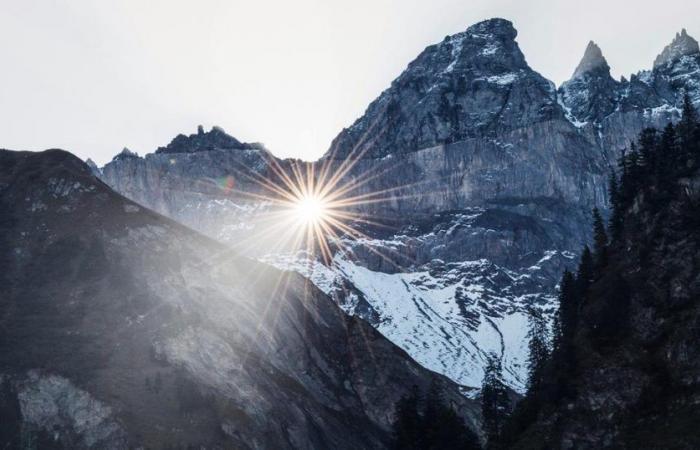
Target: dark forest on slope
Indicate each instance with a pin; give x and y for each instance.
(622, 368)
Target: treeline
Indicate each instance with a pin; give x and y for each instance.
(649, 173)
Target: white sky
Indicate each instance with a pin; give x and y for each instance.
(95, 76)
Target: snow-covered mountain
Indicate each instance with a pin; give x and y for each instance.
(489, 171)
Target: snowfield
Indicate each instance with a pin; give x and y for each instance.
(448, 317)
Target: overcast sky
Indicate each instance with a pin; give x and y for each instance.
(95, 76)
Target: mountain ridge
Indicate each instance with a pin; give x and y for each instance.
(518, 162)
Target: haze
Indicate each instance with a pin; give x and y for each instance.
(93, 77)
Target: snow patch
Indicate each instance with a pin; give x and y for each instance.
(503, 80)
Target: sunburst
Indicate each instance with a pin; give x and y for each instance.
(320, 206)
(312, 210)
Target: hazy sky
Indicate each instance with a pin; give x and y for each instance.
(95, 76)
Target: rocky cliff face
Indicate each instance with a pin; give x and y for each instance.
(122, 329)
(488, 174)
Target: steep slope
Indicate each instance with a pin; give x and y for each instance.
(120, 329)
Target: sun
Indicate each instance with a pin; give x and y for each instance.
(311, 209)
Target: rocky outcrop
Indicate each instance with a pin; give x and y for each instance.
(52, 412)
(121, 329)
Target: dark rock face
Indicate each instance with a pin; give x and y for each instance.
(121, 329)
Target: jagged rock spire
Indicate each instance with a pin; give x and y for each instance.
(125, 153)
(592, 59)
(683, 44)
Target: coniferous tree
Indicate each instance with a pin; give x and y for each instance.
(669, 160)
(495, 405)
(585, 272)
(556, 334)
(689, 132)
(442, 427)
(651, 177)
(629, 175)
(648, 139)
(616, 207)
(689, 121)
(623, 169)
(408, 423)
(433, 404)
(430, 424)
(634, 170)
(563, 356)
(452, 434)
(600, 242)
(568, 305)
(538, 347)
(612, 320)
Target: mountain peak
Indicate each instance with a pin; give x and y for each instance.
(496, 27)
(125, 153)
(682, 45)
(592, 59)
